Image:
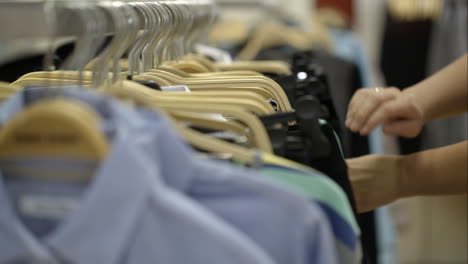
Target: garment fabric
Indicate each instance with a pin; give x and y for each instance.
(448, 43)
(344, 80)
(403, 61)
(316, 185)
(332, 201)
(286, 225)
(281, 222)
(125, 215)
(348, 46)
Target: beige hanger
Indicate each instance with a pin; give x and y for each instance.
(244, 104)
(149, 98)
(206, 122)
(275, 67)
(259, 107)
(44, 81)
(202, 60)
(71, 75)
(233, 95)
(54, 128)
(184, 74)
(8, 86)
(147, 77)
(257, 90)
(190, 67)
(64, 75)
(214, 145)
(258, 81)
(260, 137)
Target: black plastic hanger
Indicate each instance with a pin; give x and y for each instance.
(306, 135)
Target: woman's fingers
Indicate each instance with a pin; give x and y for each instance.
(365, 103)
(390, 111)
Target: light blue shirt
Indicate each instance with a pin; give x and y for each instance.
(125, 215)
(284, 224)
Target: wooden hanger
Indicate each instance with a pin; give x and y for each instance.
(190, 67)
(184, 74)
(250, 101)
(245, 99)
(148, 77)
(202, 60)
(55, 127)
(260, 136)
(147, 97)
(275, 67)
(258, 81)
(204, 121)
(64, 75)
(267, 95)
(244, 104)
(214, 145)
(48, 82)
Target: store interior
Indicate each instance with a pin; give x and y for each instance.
(214, 64)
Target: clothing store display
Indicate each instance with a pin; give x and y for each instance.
(344, 79)
(135, 142)
(205, 182)
(149, 214)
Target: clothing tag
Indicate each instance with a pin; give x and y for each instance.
(46, 207)
(175, 88)
(215, 53)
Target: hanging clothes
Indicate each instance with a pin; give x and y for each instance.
(148, 214)
(209, 183)
(403, 61)
(448, 42)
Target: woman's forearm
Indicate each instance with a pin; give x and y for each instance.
(440, 171)
(444, 93)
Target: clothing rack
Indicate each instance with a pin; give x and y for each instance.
(37, 25)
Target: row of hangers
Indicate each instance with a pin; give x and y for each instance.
(159, 38)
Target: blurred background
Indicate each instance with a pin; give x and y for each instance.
(392, 43)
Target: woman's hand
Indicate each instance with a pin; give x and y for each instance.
(376, 180)
(397, 111)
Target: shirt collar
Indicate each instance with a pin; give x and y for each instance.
(155, 135)
(106, 215)
(109, 208)
(176, 158)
